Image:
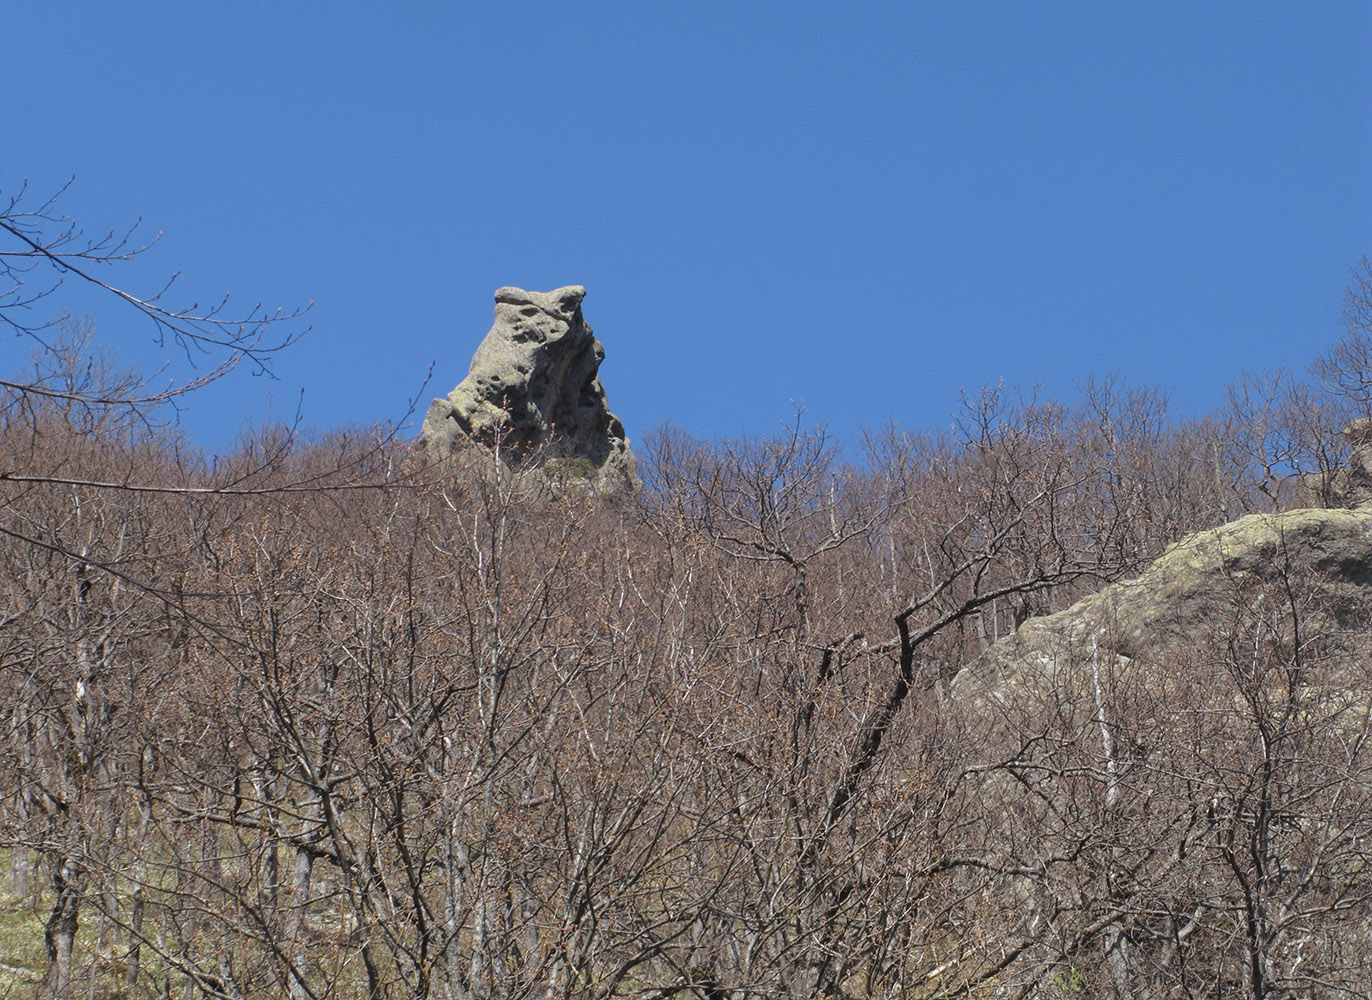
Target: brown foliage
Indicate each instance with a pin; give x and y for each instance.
(314, 720)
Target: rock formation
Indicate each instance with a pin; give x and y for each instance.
(1175, 604)
(533, 390)
(1358, 434)
(1350, 486)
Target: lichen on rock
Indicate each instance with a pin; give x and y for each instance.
(1169, 607)
(533, 393)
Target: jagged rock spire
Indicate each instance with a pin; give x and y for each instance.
(534, 390)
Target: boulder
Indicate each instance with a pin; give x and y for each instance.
(533, 391)
(1358, 434)
(1176, 604)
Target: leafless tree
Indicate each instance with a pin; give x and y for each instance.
(41, 248)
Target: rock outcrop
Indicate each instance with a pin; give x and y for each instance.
(534, 391)
(1175, 605)
(1358, 434)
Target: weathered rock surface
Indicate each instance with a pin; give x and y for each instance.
(534, 390)
(1358, 434)
(1174, 605)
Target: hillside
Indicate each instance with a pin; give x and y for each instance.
(1067, 700)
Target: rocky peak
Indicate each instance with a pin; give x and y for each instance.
(534, 390)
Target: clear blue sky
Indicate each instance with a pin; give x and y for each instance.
(863, 206)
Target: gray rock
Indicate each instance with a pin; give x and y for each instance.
(1358, 434)
(533, 391)
(1175, 604)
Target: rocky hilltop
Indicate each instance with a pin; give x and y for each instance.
(1175, 767)
(1176, 604)
(534, 391)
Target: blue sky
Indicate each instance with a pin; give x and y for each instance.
(862, 206)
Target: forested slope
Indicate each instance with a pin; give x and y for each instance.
(336, 716)
(321, 718)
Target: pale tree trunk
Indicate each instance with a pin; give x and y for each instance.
(59, 933)
(300, 897)
(86, 718)
(454, 913)
(21, 858)
(269, 894)
(136, 904)
(21, 870)
(1120, 955)
(131, 966)
(228, 985)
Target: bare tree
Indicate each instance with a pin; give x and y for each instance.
(43, 248)
(1345, 368)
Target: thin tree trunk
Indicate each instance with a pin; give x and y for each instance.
(59, 933)
(300, 897)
